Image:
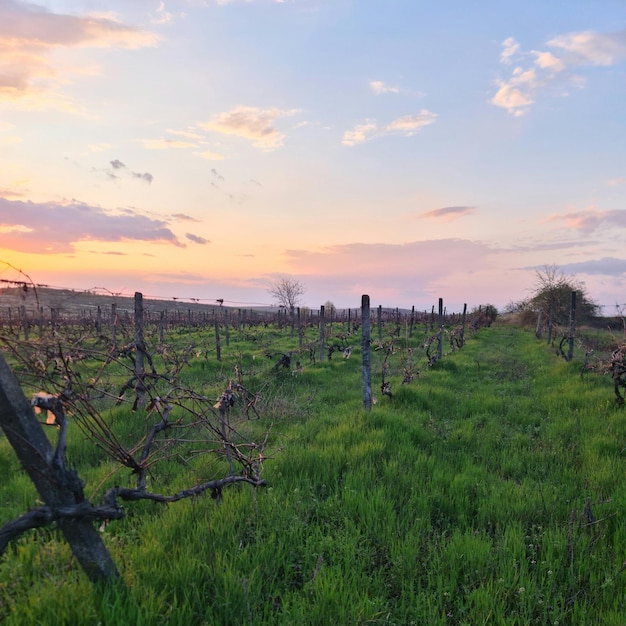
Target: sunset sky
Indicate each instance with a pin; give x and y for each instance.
(404, 149)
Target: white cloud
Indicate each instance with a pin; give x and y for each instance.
(31, 76)
(379, 87)
(509, 49)
(550, 68)
(360, 133)
(547, 61)
(163, 16)
(516, 94)
(590, 48)
(210, 156)
(407, 125)
(251, 123)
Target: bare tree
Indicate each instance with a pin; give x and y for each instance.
(287, 291)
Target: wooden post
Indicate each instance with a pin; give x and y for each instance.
(99, 321)
(56, 485)
(226, 329)
(440, 336)
(463, 324)
(572, 327)
(379, 322)
(140, 351)
(412, 321)
(366, 370)
(218, 346)
(24, 320)
(114, 324)
(550, 320)
(161, 326)
(322, 332)
(300, 329)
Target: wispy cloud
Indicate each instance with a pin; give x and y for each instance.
(50, 228)
(165, 144)
(252, 123)
(183, 217)
(448, 213)
(591, 219)
(162, 15)
(196, 239)
(31, 76)
(210, 156)
(118, 166)
(379, 87)
(407, 126)
(607, 266)
(509, 49)
(542, 69)
(360, 259)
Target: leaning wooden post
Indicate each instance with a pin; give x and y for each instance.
(322, 332)
(56, 485)
(572, 327)
(140, 351)
(379, 322)
(440, 334)
(366, 370)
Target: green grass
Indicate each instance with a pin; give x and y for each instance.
(463, 499)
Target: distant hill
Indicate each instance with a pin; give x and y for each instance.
(71, 300)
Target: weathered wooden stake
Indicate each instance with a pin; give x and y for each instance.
(24, 320)
(218, 343)
(140, 351)
(440, 335)
(550, 320)
(366, 370)
(463, 324)
(322, 332)
(114, 324)
(572, 327)
(300, 329)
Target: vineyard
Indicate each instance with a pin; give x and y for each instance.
(171, 463)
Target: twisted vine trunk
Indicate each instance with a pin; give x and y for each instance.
(57, 486)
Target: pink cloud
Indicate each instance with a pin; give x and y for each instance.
(50, 228)
(591, 219)
(448, 213)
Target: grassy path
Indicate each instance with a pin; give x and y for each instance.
(489, 491)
